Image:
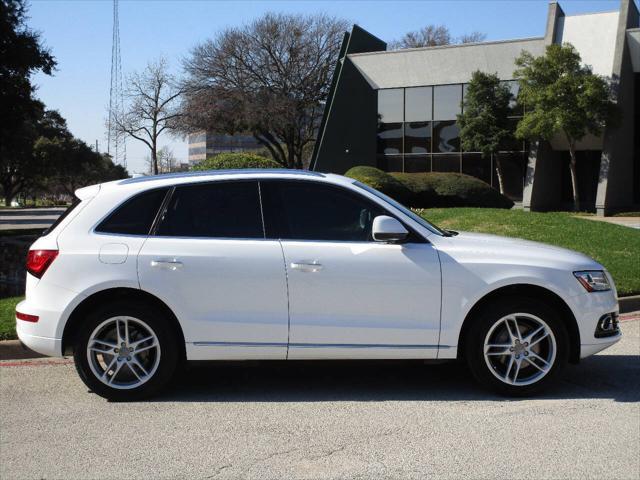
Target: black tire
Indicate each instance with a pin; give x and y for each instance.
(160, 326)
(482, 323)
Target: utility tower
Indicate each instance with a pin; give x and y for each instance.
(116, 146)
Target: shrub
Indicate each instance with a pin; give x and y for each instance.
(381, 181)
(234, 161)
(450, 190)
(426, 190)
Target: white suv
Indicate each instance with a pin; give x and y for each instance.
(144, 273)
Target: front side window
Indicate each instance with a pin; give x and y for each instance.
(214, 210)
(135, 216)
(310, 211)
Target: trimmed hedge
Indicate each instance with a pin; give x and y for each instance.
(381, 181)
(427, 190)
(235, 161)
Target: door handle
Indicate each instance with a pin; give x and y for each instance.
(307, 266)
(166, 264)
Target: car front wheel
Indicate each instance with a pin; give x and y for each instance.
(125, 352)
(517, 346)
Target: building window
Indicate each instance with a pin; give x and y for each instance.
(447, 102)
(446, 137)
(390, 138)
(418, 132)
(446, 163)
(475, 165)
(417, 163)
(417, 137)
(418, 104)
(390, 105)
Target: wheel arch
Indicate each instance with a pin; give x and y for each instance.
(117, 294)
(531, 291)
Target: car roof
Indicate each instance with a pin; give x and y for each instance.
(142, 183)
(216, 174)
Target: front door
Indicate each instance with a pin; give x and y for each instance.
(210, 263)
(349, 296)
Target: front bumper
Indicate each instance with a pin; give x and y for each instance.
(589, 309)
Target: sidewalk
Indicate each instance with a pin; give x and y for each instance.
(632, 222)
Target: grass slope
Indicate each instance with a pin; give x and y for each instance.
(616, 247)
(8, 317)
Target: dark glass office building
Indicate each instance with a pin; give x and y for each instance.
(397, 110)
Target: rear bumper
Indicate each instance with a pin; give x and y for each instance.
(40, 336)
(51, 347)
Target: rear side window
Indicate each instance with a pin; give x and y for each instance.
(214, 210)
(313, 211)
(136, 215)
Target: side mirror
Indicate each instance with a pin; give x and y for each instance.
(388, 229)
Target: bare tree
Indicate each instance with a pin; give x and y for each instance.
(167, 161)
(268, 78)
(151, 101)
(434, 36)
(473, 37)
(429, 36)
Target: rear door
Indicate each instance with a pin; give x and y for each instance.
(210, 262)
(349, 296)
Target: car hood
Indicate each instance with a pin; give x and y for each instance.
(480, 247)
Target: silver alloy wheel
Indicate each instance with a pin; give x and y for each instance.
(520, 349)
(123, 352)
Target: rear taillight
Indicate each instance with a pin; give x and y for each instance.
(25, 317)
(38, 261)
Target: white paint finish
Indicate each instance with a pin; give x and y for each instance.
(442, 65)
(594, 37)
(113, 253)
(229, 291)
(368, 300)
(633, 40)
(370, 293)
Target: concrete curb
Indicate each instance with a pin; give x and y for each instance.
(629, 304)
(14, 350)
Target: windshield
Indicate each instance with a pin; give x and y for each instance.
(414, 216)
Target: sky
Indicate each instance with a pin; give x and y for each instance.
(79, 35)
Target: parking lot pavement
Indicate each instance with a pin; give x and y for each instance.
(28, 218)
(322, 420)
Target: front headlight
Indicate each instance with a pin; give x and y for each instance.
(593, 280)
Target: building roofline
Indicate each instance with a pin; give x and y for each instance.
(440, 47)
(592, 13)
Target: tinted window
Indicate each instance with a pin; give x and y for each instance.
(135, 216)
(447, 102)
(417, 104)
(221, 209)
(390, 105)
(310, 211)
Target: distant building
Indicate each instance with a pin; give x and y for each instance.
(397, 110)
(205, 144)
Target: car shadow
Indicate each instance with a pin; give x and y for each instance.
(615, 377)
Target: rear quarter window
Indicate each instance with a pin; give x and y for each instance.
(136, 215)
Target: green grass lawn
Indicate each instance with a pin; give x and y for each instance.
(8, 317)
(616, 247)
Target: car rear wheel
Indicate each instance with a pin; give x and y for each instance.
(517, 346)
(125, 351)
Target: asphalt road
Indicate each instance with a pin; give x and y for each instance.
(344, 420)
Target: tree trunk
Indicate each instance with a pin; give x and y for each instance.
(154, 160)
(499, 173)
(574, 177)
